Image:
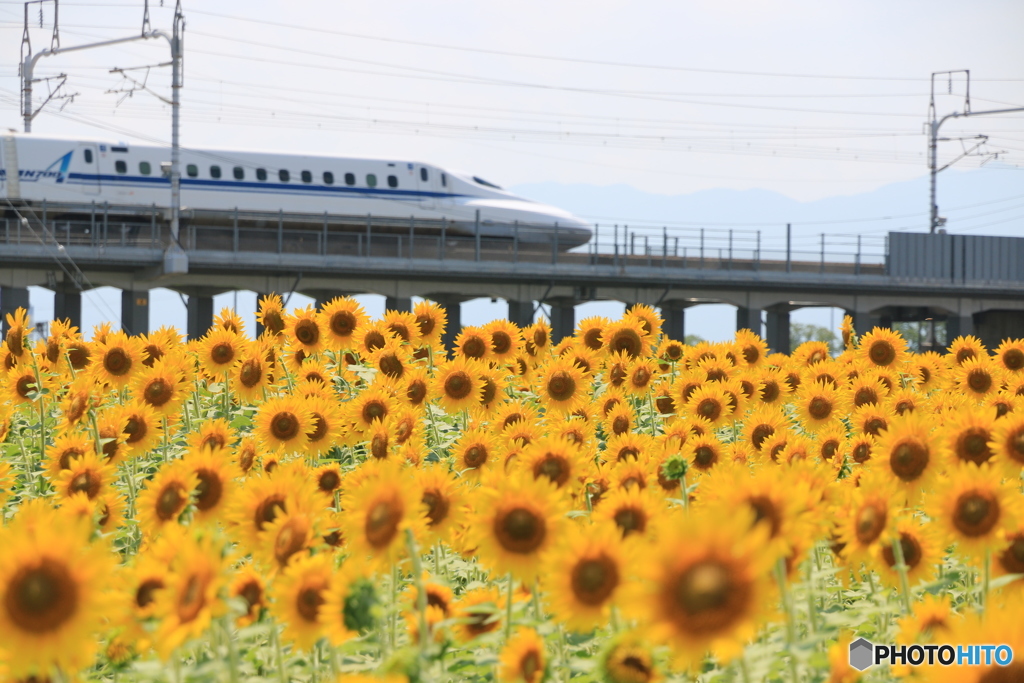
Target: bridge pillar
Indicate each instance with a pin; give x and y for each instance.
(777, 333)
(452, 306)
(750, 319)
(563, 319)
(67, 304)
(960, 326)
(674, 326)
(992, 327)
(864, 322)
(398, 303)
(11, 299)
(520, 312)
(135, 311)
(200, 315)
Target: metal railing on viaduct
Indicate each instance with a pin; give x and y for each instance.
(975, 283)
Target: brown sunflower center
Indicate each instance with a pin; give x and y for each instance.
(561, 386)
(267, 510)
(458, 385)
(416, 392)
(709, 597)
(553, 466)
(474, 347)
(1011, 673)
(594, 580)
(252, 593)
(1012, 559)
(391, 365)
(291, 538)
(273, 321)
(820, 408)
(979, 380)
(704, 457)
(501, 342)
(87, 482)
(209, 490)
(307, 332)
(972, 445)
(829, 449)
(1013, 359)
(308, 601)
(862, 452)
(975, 513)
(250, 373)
(382, 522)
(770, 391)
(373, 340)
(870, 523)
(626, 340)
(222, 353)
(911, 552)
(875, 424)
(909, 459)
(170, 501)
(136, 428)
(641, 377)
(284, 426)
(864, 396)
(343, 323)
(319, 429)
(760, 433)
(329, 481)
(592, 339)
(158, 392)
(710, 409)
(620, 424)
(40, 598)
(765, 510)
(520, 530)
(145, 594)
(79, 355)
(379, 445)
(630, 520)
(117, 362)
(437, 505)
(25, 385)
(69, 454)
(882, 352)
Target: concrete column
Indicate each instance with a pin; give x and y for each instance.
(135, 311)
(674, 326)
(959, 326)
(67, 304)
(520, 312)
(563, 319)
(748, 319)
(452, 306)
(398, 303)
(11, 299)
(864, 322)
(992, 327)
(200, 315)
(777, 334)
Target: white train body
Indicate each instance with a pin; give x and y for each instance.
(76, 171)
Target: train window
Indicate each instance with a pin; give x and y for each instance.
(120, 166)
(328, 178)
(284, 176)
(371, 180)
(423, 175)
(145, 168)
(118, 149)
(261, 174)
(350, 178)
(192, 170)
(215, 171)
(307, 177)
(392, 181)
(485, 183)
(239, 173)
(444, 180)
(88, 156)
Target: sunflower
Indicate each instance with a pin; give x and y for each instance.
(245, 454)
(506, 340)
(811, 353)
(869, 419)
(219, 350)
(24, 386)
(161, 387)
(1011, 559)
(443, 499)
(392, 361)
(965, 348)
(415, 389)
(633, 510)
(616, 369)
(628, 659)
(250, 586)
(867, 520)
(191, 600)
(523, 660)
(215, 487)
(585, 575)
(78, 400)
(627, 335)
(477, 613)
(866, 389)
(965, 438)
(66, 448)
(817, 405)
(709, 402)
(882, 347)
(165, 497)
(287, 537)
(772, 387)
(975, 509)
(473, 343)
(589, 332)
(348, 601)
(704, 452)
(438, 609)
(907, 452)
(620, 420)
(304, 330)
(556, 459)
(650, 320)
(403, 325)
(640, 376)
(516, 521)
(928, 622)
(263, 498)
(142, 428)
(326, 422)
(1010, 355)
(431, 320)
(111, 424)
(1008, 444)
(705, 587)
(628, 446)
(340, 319)
(160, 343)
(492, 388)
(475, 452)
(829, 443)
(921, 552)
(381, 507)
(53, 584)
(513, 412)
(977, 377)
(87, 474)
(116, 358)
(252, 373)
(457, 384)
(762, 423)
(282, 424)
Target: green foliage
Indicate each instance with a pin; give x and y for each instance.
(801, 332)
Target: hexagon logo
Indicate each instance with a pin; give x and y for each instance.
(861, 654)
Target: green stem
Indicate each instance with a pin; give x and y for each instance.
(986, 578)
(535, 599)
(282, 677)
(901, 569)
(421, 591)
(508, 610)
(787, 603)
(232, 651)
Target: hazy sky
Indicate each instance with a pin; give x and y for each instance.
(811, 99)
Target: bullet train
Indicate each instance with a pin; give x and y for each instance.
(67, 171)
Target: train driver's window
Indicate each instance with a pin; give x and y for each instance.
(261, 174)
(192, 170)
(145, 168)
(120, 166)
(239, 173)
(307, 177)
(444, 180)
(328, 178)
(88, 156)
(284, 176)
(215, 171)
(392, 181)
(350, 178)
(423, 174)
(371, 180)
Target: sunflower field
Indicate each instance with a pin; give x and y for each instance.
(344, 499)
